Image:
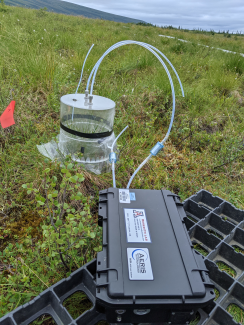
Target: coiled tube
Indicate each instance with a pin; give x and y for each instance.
(153, 50)
(148, 47)
(125, 43)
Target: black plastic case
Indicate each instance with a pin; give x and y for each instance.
(212, 223)
(179, 283)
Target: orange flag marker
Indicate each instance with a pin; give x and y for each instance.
(7, 118)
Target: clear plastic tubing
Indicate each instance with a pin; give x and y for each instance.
(137, 170)
(113, 163)
(151, 49)
(112, 148)
(82, 75)
(125, 43)
(83, 68)
(113, 173)
(147, 46)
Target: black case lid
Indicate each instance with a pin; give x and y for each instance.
(175, 266)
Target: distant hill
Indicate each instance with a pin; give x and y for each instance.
(68, 8)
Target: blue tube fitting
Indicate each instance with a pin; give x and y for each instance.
(112, 157)
(155, 150)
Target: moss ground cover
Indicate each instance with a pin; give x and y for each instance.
(41, 56)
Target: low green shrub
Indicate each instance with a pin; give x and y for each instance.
(69, 238)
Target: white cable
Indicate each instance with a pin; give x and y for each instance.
(82, 75)
(95, 68)
(132, 42)
(113, 173)
(83, 67)
(114, 158)
(152, 49)
(137, 170)
(112, 148)
(94, 71)
(173, 68)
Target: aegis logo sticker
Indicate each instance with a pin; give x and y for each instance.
(140, 256)
(139, 264)
(141, 253)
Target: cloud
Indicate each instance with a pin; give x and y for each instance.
(205, 14)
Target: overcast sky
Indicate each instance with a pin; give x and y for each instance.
(190, 14)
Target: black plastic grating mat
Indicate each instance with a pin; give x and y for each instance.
(216, 229)
(50, 301)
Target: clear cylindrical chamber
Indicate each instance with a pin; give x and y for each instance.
(86, 129)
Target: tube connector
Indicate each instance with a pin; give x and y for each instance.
(112, 157)
(86, 97)
(90, 100)
(155, 150)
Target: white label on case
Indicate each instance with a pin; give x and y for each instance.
(124, 196)
(139, 264)
(136, 226)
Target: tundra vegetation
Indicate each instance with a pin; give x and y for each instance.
(48, 212)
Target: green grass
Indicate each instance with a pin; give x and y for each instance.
(192, 219)
(200, 249)
(216, 294)
(77, 304)
(44, 320)
(196, 319)
(224, 267)
(41, 56)
(237, 313)
(238, 249)
(212, 232)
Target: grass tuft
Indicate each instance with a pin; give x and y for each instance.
(200, 249)
(238, 249)
(237, 313)
(196, 320)
(216, 294)
(77, 304)
(224, 267)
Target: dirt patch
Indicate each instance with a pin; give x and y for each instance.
(92, 184)
(213, 126)
(54, 116)
(211, 129)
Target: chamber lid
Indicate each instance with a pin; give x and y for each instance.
(78, 101)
